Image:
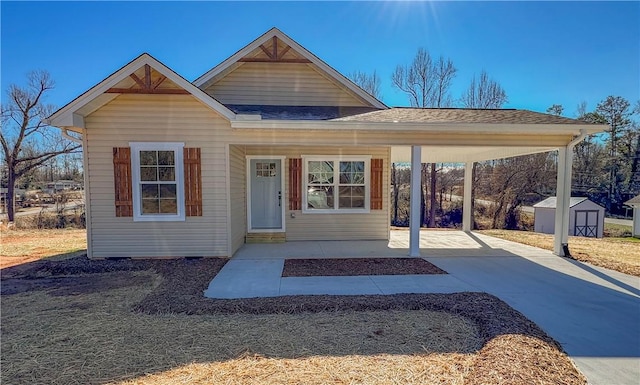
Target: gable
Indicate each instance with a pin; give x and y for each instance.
(275, 70)
(146, 80)
(289, 84)
(143, 75)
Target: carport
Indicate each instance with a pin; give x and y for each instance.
(475, 135)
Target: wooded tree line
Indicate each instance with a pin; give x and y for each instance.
(606, 166)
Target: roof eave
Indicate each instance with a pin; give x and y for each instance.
(502, 128)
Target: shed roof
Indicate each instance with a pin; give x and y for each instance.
(460, 115)
(550, 203)
(633, 202)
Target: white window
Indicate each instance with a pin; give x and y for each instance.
(336, 184)
(158, 181)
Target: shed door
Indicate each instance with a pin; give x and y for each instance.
(586, 224)
(266, 194)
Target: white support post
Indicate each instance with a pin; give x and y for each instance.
(414, 199)
(467, 207)
(563, 198)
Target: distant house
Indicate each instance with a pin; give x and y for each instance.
(635, 204)
(586, 218)
(18, 193)
(61, 185)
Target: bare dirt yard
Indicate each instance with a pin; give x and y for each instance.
(69, 320)
(620, 254)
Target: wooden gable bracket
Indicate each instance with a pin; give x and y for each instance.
(146, 86)
(273, 56)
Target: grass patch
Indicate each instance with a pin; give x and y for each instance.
(20, 246)
(620, 254)
(68, 322)
(614, 230)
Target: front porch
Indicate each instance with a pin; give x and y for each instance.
(433, 243)
(256, 269)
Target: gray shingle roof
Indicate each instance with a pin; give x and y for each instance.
(298, 112)
(459, 115)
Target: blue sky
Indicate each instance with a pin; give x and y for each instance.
(541, 52)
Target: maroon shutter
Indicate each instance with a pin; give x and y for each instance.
(122, 181)
(295, 184)
(192, 182)
(377, 168)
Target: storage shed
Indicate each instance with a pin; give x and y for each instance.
(586, 218)
(635, 203)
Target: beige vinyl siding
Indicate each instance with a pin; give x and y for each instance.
(288, 84)
(238, 198)
(157, 118)
(316, 226)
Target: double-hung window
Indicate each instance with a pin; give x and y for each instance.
(336, 184)
(158, 181)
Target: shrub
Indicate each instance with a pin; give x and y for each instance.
(52, 220)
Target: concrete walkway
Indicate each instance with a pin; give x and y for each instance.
(593, 312)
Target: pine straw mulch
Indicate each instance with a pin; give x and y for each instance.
(81, 321)
(357, 266)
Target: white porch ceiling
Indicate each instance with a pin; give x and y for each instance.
(463, 154)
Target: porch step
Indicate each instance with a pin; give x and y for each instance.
(265, 238)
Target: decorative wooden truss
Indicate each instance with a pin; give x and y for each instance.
(146, 85)
(273, 56)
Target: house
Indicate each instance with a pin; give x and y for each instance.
(62, 185)
(19, 195)
(635, 204)
(586, 218)
(272, 142)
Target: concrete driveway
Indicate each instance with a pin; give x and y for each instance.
(593, 312)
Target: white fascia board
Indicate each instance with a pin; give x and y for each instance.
(557, 129)
(63, 116)
(67, 121)
(341, 79)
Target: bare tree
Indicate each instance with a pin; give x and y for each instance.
(444, 72)
(484, 93)
(512, 182)
(555, 109)
(368, 82)
(427, 83)
(416, 79)
(27, 141)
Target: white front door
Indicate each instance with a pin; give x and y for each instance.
(266, 206)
